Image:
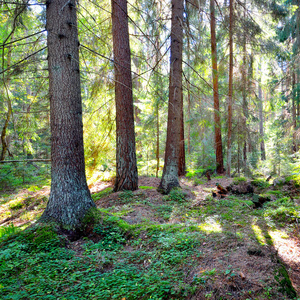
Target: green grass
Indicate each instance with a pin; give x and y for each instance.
(148, 259)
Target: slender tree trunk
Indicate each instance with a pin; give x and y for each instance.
(294, 112)
(70, 197)
(188, 83)
(157, 58)
(261, 120)
(230, 90)
(218, 136)
(244, 93)
(9, 106)
(157, 139)
(170, 173)
(126, 170)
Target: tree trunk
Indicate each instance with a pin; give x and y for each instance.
(70, 197)
(181, 161)
(9, 106)
(126, 169)
(230, 88)
(261, 120)
(170, 172)
(188, 82)
(244, 93)
(218, 137)
(294, 112)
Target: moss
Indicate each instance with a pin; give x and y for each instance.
(237, 180)
(283, 279)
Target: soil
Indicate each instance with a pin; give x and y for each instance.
(226, 253)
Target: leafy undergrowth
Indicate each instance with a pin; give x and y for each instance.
(187, 245)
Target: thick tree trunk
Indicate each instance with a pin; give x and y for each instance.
(170, 173)
(70, 197)
(181, 161)
(126, 170)
(230, 88)
(218, 136)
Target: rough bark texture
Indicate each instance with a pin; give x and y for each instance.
(181, 161)
(70, 197)
(230, 88)
(218, 137)
(126, 170)
(170, 172)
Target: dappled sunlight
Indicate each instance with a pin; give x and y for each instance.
(259, 234)
(211, 225)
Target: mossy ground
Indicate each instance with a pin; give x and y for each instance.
(187, 245)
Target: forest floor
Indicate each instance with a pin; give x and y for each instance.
(187, 245)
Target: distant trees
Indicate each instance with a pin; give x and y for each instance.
(70, 197)
(126, 168)
(170, 172)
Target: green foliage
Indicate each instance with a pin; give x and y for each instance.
(126, 197)
(195, 173)
(146, 187)
(176, 195)
(237, 180)
(112, 236)
(260, 183)
(282, 277)
(101, 194)
(7, 231)
(282, 210)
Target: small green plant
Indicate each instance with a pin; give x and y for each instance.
(15, 205)
(194, 173)
(146, 187)
(282, 277)
(101, 194)
(237, 180)
(176, 195)
(7, 231)
(260, 183)
(126, 197)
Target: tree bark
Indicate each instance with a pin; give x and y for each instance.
(126, 168)
(218, 136)
(9, 106)
(181, 161)
(170, 172)
(294, 122)
(70, 197)
(261, 121)
(230, 90)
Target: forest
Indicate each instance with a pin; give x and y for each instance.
(150, 149)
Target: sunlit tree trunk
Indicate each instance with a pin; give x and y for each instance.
(230, 90)
(294, 112)
(170, 172)
(244, 93)
(218, 136)
(126, 168)
(9, 106)
(261, 121)
(70, 197)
